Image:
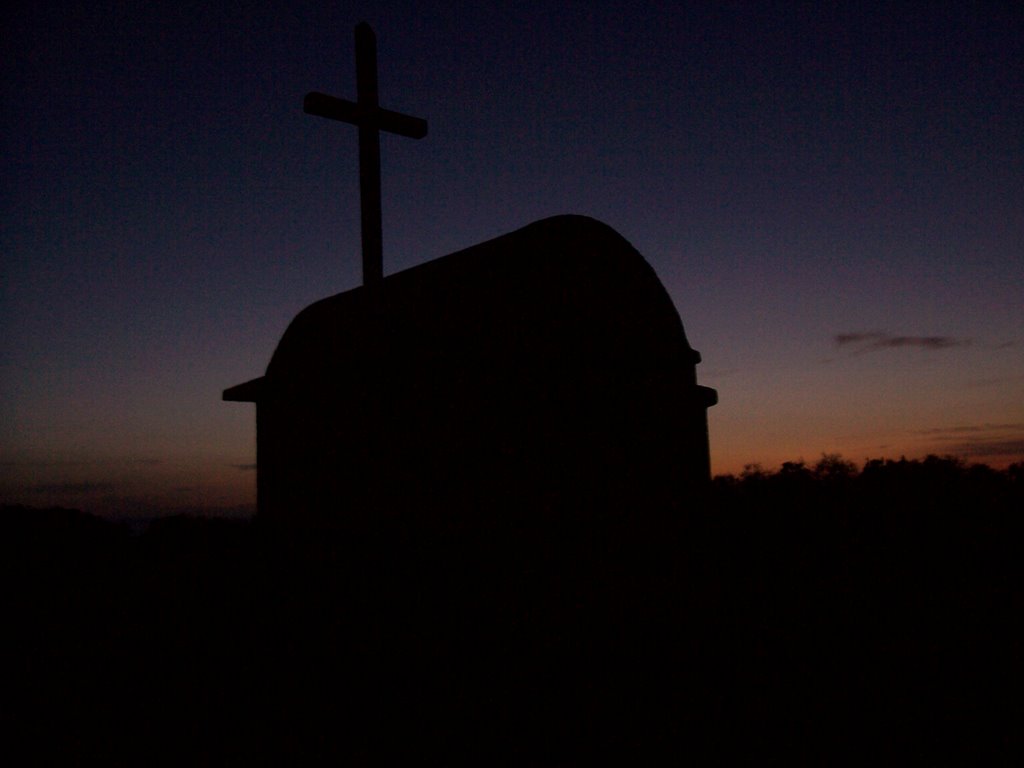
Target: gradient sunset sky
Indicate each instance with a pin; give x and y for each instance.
(833, 195)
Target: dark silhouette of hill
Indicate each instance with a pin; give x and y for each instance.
(824, 611)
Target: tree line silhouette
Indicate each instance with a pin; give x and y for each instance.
(825, 610)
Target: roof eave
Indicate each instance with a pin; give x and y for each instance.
(249, 392)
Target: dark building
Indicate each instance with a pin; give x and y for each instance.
(544, 371)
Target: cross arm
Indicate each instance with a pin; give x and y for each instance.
(333, 108)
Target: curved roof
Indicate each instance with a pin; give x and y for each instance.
(561, 288)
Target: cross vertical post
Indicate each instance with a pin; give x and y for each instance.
(367, 115)
(369, 156)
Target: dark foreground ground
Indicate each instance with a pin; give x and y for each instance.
(819, 612)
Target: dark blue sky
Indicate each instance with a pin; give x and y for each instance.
(834, 197)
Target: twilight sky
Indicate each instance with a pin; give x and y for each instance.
(833, 196)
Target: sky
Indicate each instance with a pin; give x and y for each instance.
(833, 195)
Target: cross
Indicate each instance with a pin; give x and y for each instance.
(367, 115)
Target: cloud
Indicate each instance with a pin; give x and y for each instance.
(719, 373)
(867, 341)
(842, 339)
(990, 448)
(941, 432)
(64, 463)
(979, 440)
(995, 381)
(72, 488)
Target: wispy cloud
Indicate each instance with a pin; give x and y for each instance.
(989, 448)
(72, 488)
(719, 373)
(868, 341)
(995, 381)
(64, 463)
(979, 441)
(941, 432)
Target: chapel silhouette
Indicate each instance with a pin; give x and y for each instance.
(546, 369)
